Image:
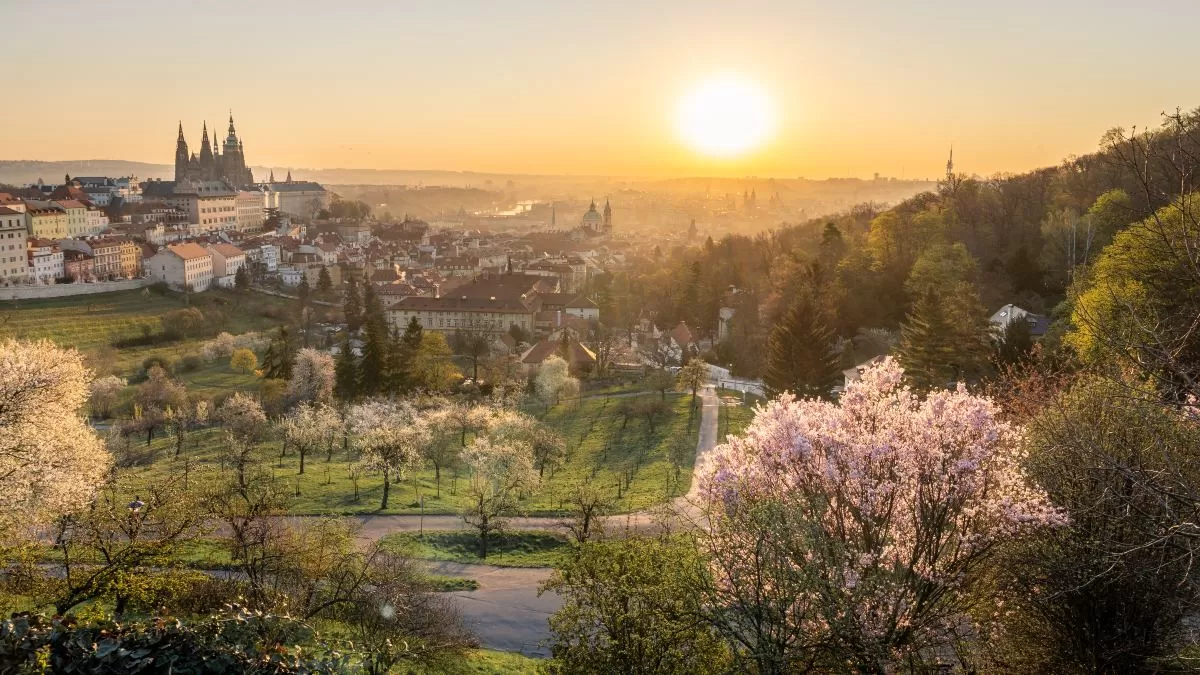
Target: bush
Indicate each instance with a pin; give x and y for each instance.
(189, 363)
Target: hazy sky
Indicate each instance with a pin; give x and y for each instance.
(559, 86)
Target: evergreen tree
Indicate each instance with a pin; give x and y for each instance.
(937, 346)
(801, 357)
(324, 281)
(396, 378)
(373, 310)
(304, 292)
(353, 304)
(372, 370)
(1016, 343)
(241, 279)
(409, 344)
(345, 384)
(277, 361)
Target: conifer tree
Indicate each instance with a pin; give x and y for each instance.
(353, 304)
(324, 281)
(372, 370)
(932, 349)
(304, 292)
(409, 343)
(345, 384)
(801, 357)
(277, 362)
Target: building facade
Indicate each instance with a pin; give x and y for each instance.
(14, 264)
(448, 314)
(45, 261)
(250, 211)
(182, 266)
(45, 220)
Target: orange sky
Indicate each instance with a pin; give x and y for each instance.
(552, 87)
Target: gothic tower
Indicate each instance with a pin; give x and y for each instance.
(607, 216)
(181, 156)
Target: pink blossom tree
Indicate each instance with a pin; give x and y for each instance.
(844, 535)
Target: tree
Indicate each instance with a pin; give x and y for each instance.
(244, 421)
(51, 462)
(692, 377)
(801, 357)
(475, 346)
(1016, 343)
(451, 423)
(304, 293)
(629, 606)
(870, 517)
(352, 307)
(1140, 305)
(500, 472)
(104, 393)
(549, 448)
(313, 376)
(1112, 589)
(389, 435)
(324, 281)
(346, 372)
(241, 278)
(553, 380)
(372, 368)
(154, 397)
(934, 350)
(310, 427)
(660, 381)
(180, 421)
(243, 360)
(277, 362)
(432, 368)
(589, 506)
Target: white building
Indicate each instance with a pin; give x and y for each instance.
(251, 213)
(300, 199)
(97, 222)
(14, 263)
(227, 259)
(209, 204)
(45, 261)
(182, 266)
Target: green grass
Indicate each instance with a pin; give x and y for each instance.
(734, 419)
(630, 465)
(513, 549)
(91, 323)
(443, 584)
(481, 662)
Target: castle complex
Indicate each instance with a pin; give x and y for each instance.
(227, 163)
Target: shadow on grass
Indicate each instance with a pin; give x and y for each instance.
(515, 549)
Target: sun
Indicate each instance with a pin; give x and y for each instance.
(725, 116)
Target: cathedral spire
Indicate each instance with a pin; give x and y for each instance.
(272, 178)
(232, 131)
(180, 139)
(289, 176)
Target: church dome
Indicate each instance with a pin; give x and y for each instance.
(592, 217)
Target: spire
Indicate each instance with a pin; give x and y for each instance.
(289, 176)
(180, 139)
(272, 178)
(232, 131)
(593, 206)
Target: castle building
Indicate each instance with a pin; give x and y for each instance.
(227, 162)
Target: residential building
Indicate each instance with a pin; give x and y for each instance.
(45, 220)
(584, 308)
(183, 266)
(14, 262)
(77, 218)
(250, 213)
(45, 261)
(493, 314)
(113, 257)
(78, 265)
(227, 259)
(97, 221)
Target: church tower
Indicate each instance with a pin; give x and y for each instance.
(206, 156)
(181, 156)
(607, 216)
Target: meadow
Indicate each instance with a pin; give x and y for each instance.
(627, 459)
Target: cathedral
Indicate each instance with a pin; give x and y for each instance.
(226, 163)
(593, 223)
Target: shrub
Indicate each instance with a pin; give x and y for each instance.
(189, 363)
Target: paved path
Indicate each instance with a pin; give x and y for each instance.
(506, 612)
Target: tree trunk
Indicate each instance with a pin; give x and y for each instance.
(437, 479)
(301, 452)
(387, 486)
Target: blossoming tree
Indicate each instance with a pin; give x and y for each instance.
(51, 462)
(849, 531)
(390, 435)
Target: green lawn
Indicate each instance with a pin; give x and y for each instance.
(734, 418)
(513, 549)
(630, 464)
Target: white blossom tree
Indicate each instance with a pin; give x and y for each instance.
(310, 427)
(244, 421)
(500, 472)
(389, 436)
(51, 462)
(554, 381)
(312, 376)
(104, 393)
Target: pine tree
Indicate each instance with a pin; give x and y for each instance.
(396, 378)
(277, 362)
(372, 370)
(304, 292)
(241, 279)
(927, 344)
(801, 357)
(353, 304)
(410, 342)
(373, 309)
(324, 281)
(345, 384)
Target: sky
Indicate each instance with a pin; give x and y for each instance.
(856, 87)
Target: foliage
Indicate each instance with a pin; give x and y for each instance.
(629, 606)
(553, 381)
(867, 518)
(313, 376)
(51, 462)
(692, 377)
(389, 436)
(800, 352)
(103, 394)
(501, 467)
(432, 368)
(243, 360)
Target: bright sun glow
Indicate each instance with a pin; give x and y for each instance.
(725, 116)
